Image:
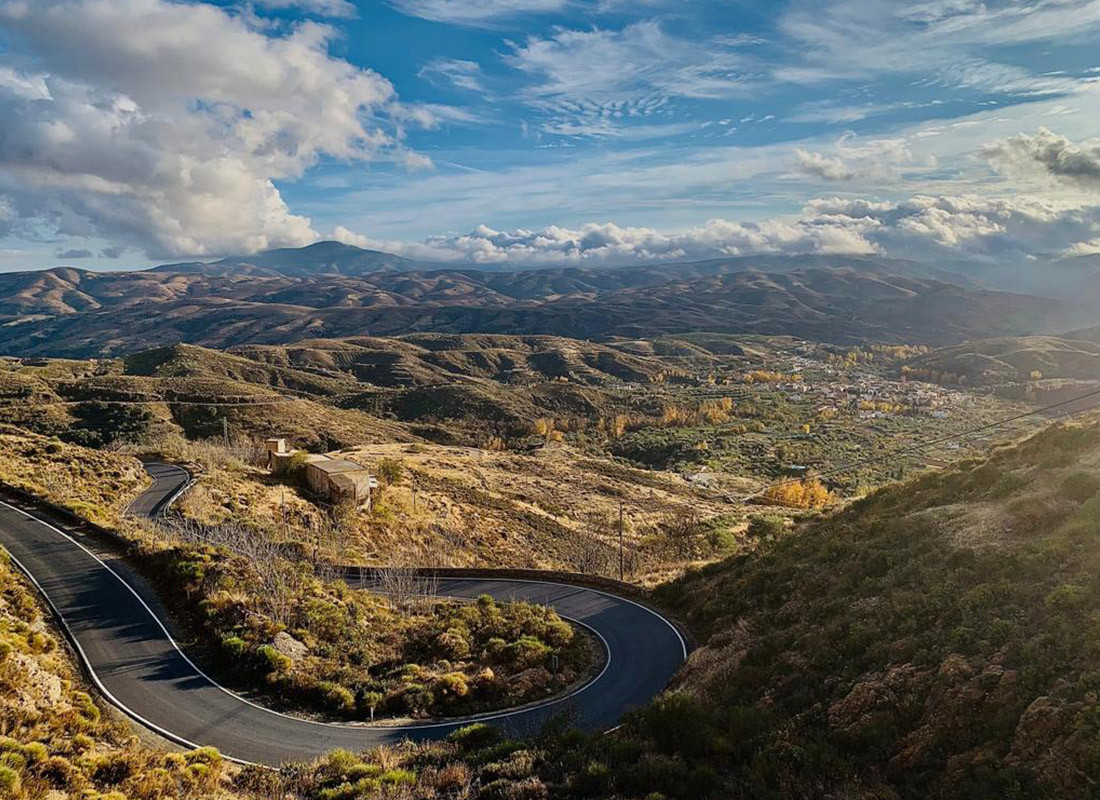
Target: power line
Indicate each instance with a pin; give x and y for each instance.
(929, 443)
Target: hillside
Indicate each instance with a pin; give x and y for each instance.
(423, 359)
(1015, 359)
(181, 393)
(290, 296)
(934, 640)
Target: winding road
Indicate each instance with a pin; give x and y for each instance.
(111, 616)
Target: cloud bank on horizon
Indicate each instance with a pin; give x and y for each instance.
(548, 131)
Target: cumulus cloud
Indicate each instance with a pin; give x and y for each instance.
(171, 139)
(1089, 248)
(854, 158)
(1049, 155)
(607, 243)
(922, 227)
(830, 168)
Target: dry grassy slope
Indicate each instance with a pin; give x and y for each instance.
(187, 361)
(1012, 359)
(183, 391)
(94, 484)
(481, 508)
(464, 507)
(938, 639)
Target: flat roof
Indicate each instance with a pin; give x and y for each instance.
(337, 465)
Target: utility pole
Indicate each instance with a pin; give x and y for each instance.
(621, 559)
(225, 430)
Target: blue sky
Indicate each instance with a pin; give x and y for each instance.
(548, 131)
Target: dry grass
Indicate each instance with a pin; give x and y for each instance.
(93, 484)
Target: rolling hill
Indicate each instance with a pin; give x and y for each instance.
(336, 292)
(936, 639)
(1017, 358)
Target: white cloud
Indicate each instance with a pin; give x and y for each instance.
(830, 168)
(954, 42)
(1047, 154)
(1004, 232)
(475, 12)
(337, 9)
(1089, 248)
(639, 60)
(604, 79)
(171, 140)
(855, 158)
(458, 72)
(607, 243)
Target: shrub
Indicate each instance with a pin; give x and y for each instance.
(368, 701)
(1081, 486)
(234, 646)
(527, 651)
(763, 526)
(296, 465)
(474, 737)
(9, 780)
(452, 644)
(451, 685)
(418, 698)
(35, 752)
(390, 471)
(272, 661)
(111, 770)
(398, 777)
(336, 695)
(1067, 595)
(592, 780)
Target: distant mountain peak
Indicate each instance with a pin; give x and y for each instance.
(320, 258)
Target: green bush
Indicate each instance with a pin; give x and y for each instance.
(272, 661)
(9, 780)
(766, 526)
(452, 644)
(527, 651)
(390, 471)
(451, 685)
(235, 647)
(337, 696)
(474, 737)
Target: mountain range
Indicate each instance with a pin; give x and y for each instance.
(335, 290)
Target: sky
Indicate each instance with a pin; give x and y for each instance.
(135, 132)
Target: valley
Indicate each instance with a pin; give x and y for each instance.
(711, 466)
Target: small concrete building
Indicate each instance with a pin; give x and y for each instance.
(335, 479)
(339, 479)
(276, 452)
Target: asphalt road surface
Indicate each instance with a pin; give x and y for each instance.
(139, 668)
